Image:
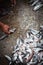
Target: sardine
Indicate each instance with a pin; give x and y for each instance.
(35, 2)
(27, 35)
(14, 57)
(20, 58)
(8, 57)
(34, 32)
(12, 30)
(38, 6)
(19, 41)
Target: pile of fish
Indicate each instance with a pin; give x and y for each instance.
(29, 50)
(37, 4)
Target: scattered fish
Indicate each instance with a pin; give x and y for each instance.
(27, 50)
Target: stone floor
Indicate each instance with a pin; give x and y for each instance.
(22, 18)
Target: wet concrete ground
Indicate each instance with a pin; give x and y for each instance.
(22, 18)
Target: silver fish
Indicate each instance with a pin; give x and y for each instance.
(8, 58)
(14, 57)
(15, 50)
(12, 30)
(28, 34)
(20, 57)
(38, 6)
(19, 41)
(41, 26)
(34, 32)
(35, 2)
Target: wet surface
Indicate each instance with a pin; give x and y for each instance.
(22, 19)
